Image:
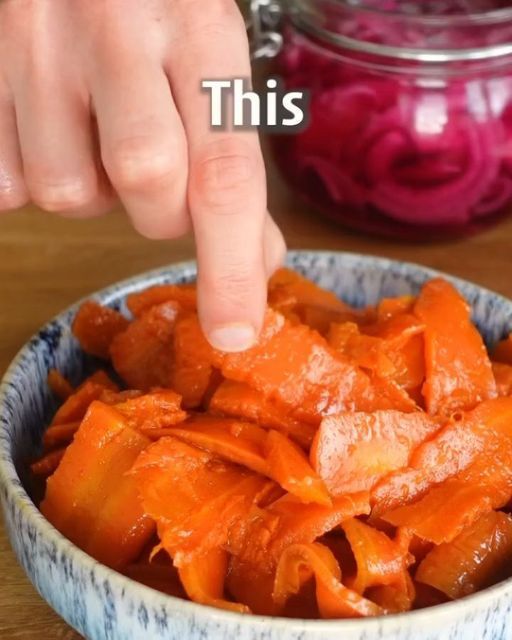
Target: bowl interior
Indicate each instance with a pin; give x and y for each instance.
(26, 404)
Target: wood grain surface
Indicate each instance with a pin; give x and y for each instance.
(46, 263)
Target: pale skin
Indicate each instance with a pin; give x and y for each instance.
(101, 99)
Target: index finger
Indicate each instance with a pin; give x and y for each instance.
(227, 185)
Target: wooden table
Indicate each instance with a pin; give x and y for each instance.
(46, 263)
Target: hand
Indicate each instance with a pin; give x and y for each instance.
(103, 96)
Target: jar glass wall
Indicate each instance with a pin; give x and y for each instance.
(410, 130)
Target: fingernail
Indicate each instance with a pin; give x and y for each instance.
(233, 337)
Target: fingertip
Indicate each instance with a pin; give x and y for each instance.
(232, 337)
(232, 308)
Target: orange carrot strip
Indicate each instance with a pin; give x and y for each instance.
(96, 326)
(403, 344)
(60, 434)
(288, 465)
(341, 334)
(266, 452)
(299, 563)
(258, 541)
(289, 521)
(366, 351)
(143, 354)
(472, 560)
(90, 499)
(458, 369)
(121, 528)
(155, 434)
(158, 409)
(302, 301)
(203, 579)
(451, 450)
(75, 407)
(289, 287)
(238, 400)
(192, 369)
(409, 363)
(305, 523)
(387, 394)
(238, 442)
(320, 318)
(443, 512)
(352, 451)
(456, 503)
(294, 366)
(117, 397)
(208, 496)
(391, 348)
(380, 560)
(396, 329)
(182, 294)
(58, 384)
(46, 465)
(390, 307)
(102, 378)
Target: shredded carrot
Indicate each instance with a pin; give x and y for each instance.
(95, 327)
(46, 465)
(352, 463)
(59, 434)
(59, 385)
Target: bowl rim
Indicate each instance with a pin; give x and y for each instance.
(16, 493)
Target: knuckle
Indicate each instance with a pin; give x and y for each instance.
(233, 283)
(224, 172)
(133, 166)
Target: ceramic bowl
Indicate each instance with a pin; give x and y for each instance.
(104, 605)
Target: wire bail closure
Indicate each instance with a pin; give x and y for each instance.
(262, 26)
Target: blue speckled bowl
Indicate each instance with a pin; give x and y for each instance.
(102, 604)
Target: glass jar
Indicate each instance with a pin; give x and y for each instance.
(410, 131)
